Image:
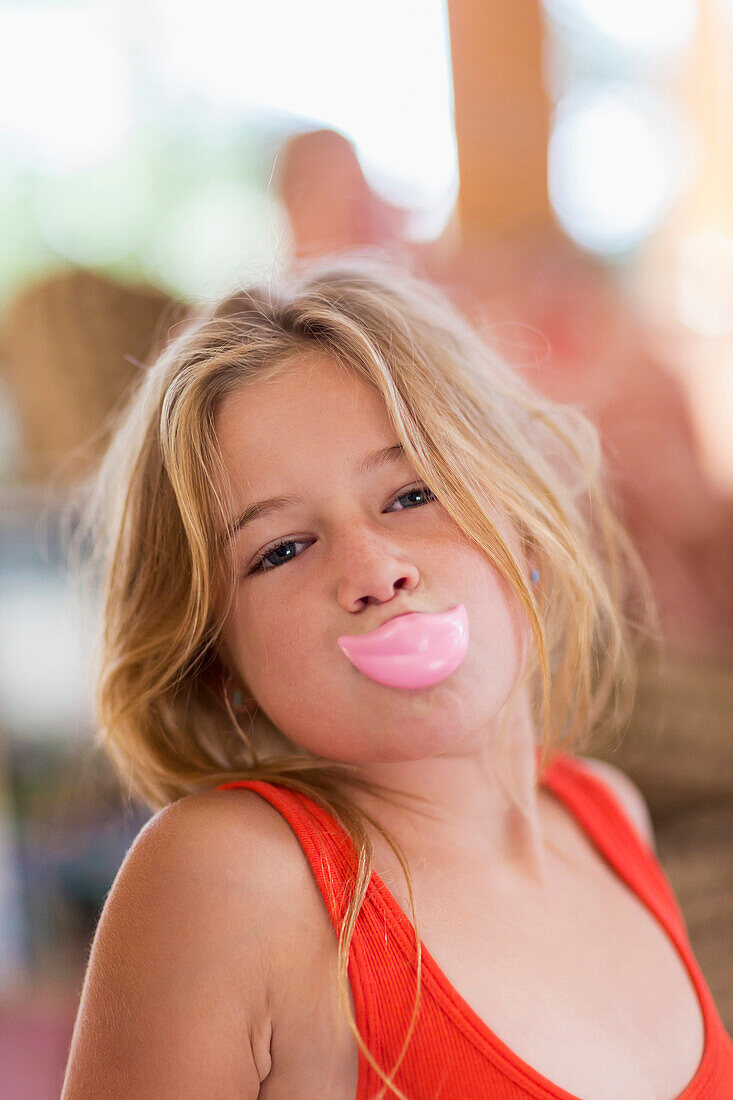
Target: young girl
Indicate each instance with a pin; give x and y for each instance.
(364, 602)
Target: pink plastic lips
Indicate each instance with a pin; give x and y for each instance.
(410, 651)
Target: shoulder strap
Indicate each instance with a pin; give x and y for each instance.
(332, 857)
(598, 810)
(328, 848)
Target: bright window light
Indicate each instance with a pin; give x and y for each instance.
(618, 157)
(652, 27)
(43, 635)
(64, 95)
(380, 74)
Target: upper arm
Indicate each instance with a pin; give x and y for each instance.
(174, 1002)
(627, 793)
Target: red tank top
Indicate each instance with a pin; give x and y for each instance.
(453, 1054)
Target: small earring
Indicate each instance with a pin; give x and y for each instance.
(237, 698)
(535, 576)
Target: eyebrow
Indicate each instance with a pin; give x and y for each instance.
(262, 508)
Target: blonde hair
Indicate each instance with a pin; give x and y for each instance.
(475, 431)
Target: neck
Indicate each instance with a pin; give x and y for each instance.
(483, 799)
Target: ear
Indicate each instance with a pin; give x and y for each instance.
(223, 679)
(240, 698)
(526, 556)
(249, 703)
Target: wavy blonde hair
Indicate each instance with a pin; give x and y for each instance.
(474, 430)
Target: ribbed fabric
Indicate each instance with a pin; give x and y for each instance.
(452, 1054)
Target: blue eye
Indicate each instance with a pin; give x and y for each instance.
(262, 565)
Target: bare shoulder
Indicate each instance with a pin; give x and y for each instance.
(627, 793)
(176, 995)
(229, 836)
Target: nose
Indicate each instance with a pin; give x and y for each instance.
(373, 571)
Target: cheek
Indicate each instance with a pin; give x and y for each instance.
(500, 635)
(276, 650)
(288, 657)
(511, 615)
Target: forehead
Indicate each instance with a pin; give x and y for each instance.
(312, 405)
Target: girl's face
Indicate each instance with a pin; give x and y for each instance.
(360, 547)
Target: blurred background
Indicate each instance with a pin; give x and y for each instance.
(563, 169)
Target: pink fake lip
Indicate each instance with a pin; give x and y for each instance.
(414, 650)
